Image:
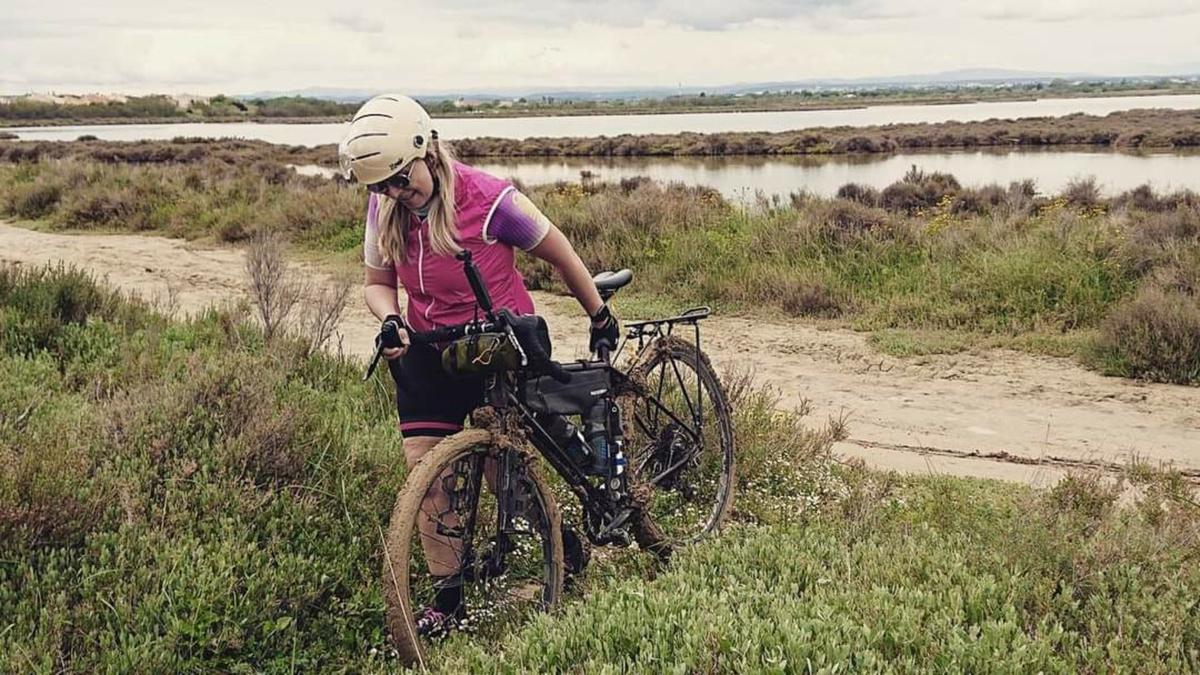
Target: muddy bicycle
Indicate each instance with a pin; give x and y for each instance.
(648, 450)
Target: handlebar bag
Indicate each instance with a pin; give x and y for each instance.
(533, 335)
(480, 353)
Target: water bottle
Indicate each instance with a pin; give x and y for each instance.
(618, 462)
(617, 480)
(567, 436)
(595, 430)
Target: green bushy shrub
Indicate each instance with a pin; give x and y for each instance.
(181, 498)
(34, 200)
(1154, 335)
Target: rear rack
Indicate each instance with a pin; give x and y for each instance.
(687, 316)
(650, 328)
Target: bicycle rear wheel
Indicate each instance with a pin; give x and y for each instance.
(679, 435)
(446, 530)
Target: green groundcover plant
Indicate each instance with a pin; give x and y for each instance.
(182, 496)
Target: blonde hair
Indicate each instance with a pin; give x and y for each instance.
(393, 218)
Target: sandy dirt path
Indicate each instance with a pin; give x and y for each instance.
(996, 413)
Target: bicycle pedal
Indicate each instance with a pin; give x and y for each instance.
(613, 532)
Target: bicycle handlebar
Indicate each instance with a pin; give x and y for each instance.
(389, 335)
(449, 333)
(390, 338)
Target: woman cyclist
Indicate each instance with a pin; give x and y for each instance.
(423, 208)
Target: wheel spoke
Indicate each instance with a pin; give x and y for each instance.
(686, 436)
(675, 418)
(662, 378)
(683, 391)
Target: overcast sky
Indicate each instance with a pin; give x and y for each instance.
(242, 47)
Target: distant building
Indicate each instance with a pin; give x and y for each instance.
(184, 101)
(86, 99)
(70, 99)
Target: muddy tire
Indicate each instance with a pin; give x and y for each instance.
(528, 576)
(687, 468)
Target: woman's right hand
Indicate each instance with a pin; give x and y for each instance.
(386, 331)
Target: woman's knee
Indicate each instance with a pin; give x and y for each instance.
(416, 447)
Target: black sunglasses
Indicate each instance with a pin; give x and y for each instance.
(400, 179)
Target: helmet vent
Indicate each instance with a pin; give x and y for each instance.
(368, 135)
(363, 117)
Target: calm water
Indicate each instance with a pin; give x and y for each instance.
(611, 125)
(739, 178)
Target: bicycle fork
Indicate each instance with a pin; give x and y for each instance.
(489, 563)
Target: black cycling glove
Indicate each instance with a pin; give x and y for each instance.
(606, 330)
(389, 332)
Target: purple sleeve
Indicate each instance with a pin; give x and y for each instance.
(517, 222)
(371, 255)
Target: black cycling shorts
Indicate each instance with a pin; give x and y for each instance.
(429, 401)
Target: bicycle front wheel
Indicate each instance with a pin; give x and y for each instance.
(466, 522)
(679, 433)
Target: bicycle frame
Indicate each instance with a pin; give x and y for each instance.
(607, 507)
(597, 502)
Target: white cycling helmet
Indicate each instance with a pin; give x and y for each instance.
(387, 133)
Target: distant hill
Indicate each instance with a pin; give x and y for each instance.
(962, 77)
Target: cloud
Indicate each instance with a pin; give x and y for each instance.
(357, 23)
(705, 15)
(235, 47)
(1086, 10)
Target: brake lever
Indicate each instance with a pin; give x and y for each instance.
(389, 337)
(374, 362)
(516, 343)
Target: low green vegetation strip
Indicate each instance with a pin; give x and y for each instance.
(936, 575)
(184, 496)
(927, 264)
(1128, 129)
(158, 108)
(300, 109)
(212, 199)
(178, 151)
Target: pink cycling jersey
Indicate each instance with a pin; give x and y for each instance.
(493, 218)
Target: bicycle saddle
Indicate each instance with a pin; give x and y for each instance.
(608, 282)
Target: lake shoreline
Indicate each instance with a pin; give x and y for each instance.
(1131, 130)
(1154, 128)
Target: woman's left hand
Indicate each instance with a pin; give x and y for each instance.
(606, 330)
